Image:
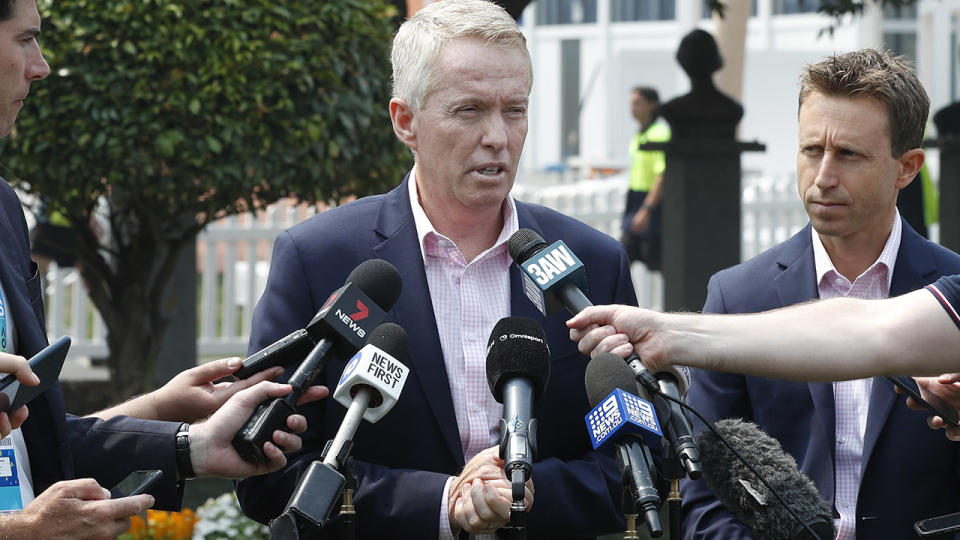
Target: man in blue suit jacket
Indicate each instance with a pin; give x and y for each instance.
(70, 458)
(466, 133)
(860, 127)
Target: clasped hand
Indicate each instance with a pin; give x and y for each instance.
(479, 498)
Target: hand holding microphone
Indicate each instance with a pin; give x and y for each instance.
(369, 387)
(342, 323)
(556, 271)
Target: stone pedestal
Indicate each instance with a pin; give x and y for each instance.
(701, 215)
(950, 192)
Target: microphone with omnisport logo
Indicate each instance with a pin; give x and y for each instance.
(371, 289)
(518, 367)
(628, 422)
(369, 387)
(342, 325)
(561, 276)
(753, 503)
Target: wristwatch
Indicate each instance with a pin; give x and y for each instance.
(184, 466)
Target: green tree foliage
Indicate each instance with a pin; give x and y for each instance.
(176, 113)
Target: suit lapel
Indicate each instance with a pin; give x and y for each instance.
(414, 311)
(912, 266)
(44, 429)
(520, 305)
(797, 283)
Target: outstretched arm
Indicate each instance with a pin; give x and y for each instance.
(837, 339)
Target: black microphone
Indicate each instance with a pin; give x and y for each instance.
(376, 278)
(562, 277)
(605, 375)
(680, 440)
(369, 386)
(518, 367)
(752, 502)
(341, 326)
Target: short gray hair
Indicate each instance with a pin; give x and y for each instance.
(419, 40)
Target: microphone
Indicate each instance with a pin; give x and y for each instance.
(556, 271)
(379, 284)
(562, 278)
(341, 326)
(626, 421)
(680, 441)
(369, 387)
(741, 492)
(518, 367)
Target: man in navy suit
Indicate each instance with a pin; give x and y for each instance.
(55, 464)
(429, 468)
(861, 121)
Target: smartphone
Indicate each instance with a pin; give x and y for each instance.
(136, 483)
(938, 525)
(46, 364)
(932, 403)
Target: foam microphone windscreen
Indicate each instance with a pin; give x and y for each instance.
(743, 494)
(390, 338)
(524, 244)
(605, 373)
(681, 374)
(517, 348)
(379, 280)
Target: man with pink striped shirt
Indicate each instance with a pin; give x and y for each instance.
(861, 119)
(429, 468)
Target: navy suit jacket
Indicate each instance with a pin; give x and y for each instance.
(60, 446)
(403, 460)
(909, 471)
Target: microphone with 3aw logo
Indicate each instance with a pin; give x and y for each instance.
(369, 387)
(558, 273)
(629, 423)
(352, 311)
(341, 326)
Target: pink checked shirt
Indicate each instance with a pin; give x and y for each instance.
(468, 300)
(852, 398)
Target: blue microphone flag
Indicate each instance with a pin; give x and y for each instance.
(618, 414)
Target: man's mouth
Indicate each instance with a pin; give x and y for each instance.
(490, 171)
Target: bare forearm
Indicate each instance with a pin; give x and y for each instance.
(829, 340)
(141, 407)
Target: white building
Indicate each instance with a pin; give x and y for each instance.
(587, 54)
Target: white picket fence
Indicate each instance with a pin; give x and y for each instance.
(234, 257)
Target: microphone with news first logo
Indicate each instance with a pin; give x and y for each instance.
(369, 387)
(629, 423)
(341, 326)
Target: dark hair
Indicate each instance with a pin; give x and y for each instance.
(648, 93)
(6, 9)
(880, 75)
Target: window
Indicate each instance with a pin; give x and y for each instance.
(706, 13)
(642, 10)
(788, 7)
(566, 11)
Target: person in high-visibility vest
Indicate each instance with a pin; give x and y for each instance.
(641, 218)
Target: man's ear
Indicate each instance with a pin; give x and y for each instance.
(401, 115)
(910, 163)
